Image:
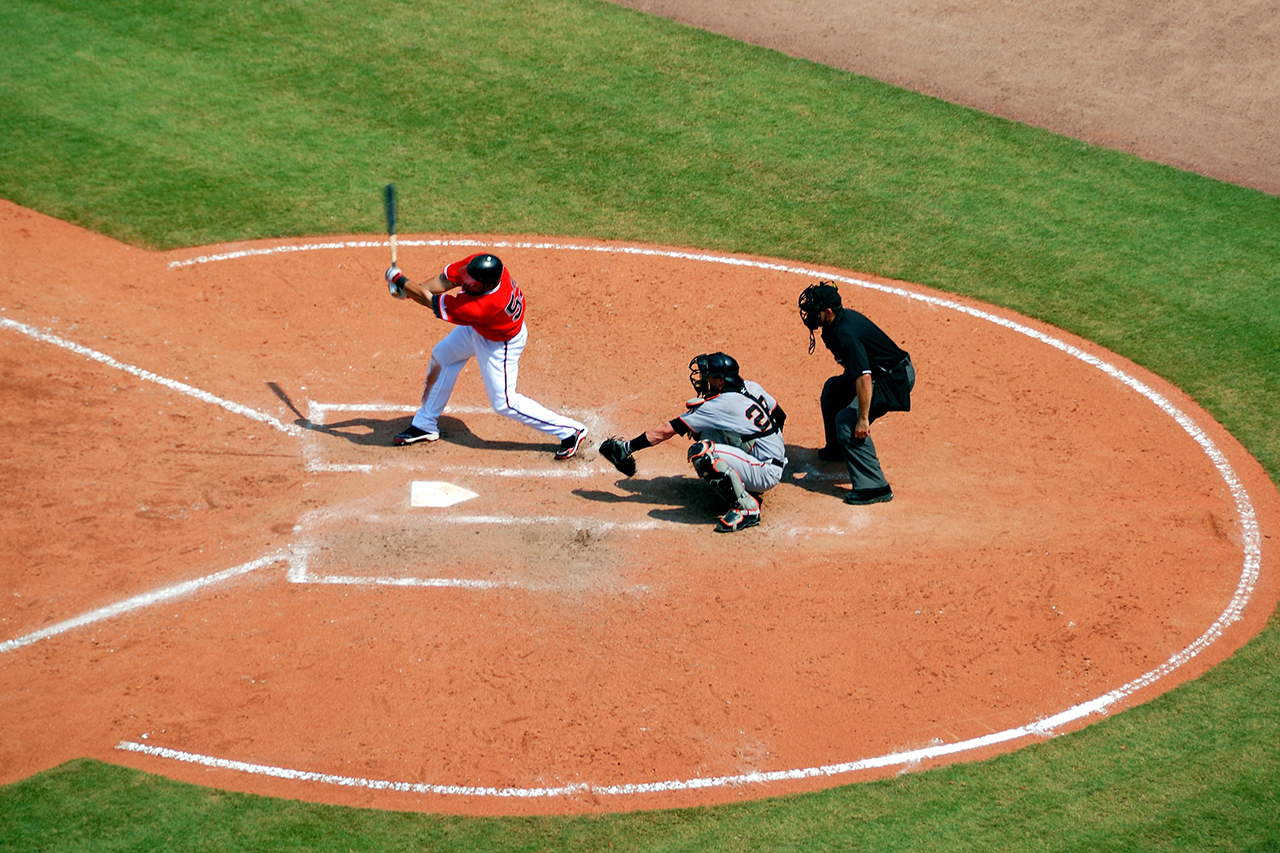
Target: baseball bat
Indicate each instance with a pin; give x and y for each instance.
(389, 198)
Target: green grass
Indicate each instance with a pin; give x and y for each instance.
(181, 123)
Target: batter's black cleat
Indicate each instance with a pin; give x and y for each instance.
(865, 497)
(413, 435)
(830, 454)
(570, 445)
(737, 519)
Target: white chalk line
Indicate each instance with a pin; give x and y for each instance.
(147, 375)
(1251, 568)
(578, 522)
(299, 572)
(168, 593)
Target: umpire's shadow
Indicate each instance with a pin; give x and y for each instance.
(806, 471)
(682, 500)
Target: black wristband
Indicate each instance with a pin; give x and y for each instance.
(401, 280)
(640, 442)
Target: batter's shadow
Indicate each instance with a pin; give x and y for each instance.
(378, 432)
(681, 500)
(374, 431)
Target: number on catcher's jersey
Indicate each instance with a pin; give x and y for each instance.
(758, 417)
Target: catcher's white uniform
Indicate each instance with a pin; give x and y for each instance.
(744, 433)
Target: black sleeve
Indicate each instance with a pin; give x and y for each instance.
(778, 416)
(680, 427)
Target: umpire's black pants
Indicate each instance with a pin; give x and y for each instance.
(890, 393)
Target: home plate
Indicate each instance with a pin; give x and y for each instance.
(425, 493)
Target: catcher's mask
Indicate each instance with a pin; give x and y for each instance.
(717, 365)
(815, 299)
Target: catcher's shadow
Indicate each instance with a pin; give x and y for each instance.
(680, 500)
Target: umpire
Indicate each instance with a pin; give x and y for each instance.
(878, 377)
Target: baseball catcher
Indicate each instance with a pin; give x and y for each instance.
(736, 427)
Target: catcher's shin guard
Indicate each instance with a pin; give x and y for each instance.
(722, 478)
(702, 457)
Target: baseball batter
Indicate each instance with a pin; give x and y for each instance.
(489, 312)
(738, 447)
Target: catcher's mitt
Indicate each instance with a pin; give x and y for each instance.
(619, 455)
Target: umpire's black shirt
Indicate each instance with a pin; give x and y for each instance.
(859, 345)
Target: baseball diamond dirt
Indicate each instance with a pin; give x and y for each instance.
(216, 571)
(1191, 83)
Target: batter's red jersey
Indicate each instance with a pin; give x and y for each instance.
(496, 314)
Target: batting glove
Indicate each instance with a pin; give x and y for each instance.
(395, 281)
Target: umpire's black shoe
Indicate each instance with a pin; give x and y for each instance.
(863, 497)
(830, 454)
(413, 435)
(570, 445)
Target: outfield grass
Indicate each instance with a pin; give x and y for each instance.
(180, 123)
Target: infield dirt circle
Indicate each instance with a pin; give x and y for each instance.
(1070, 534)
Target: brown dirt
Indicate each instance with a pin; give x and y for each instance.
(1191, 83)
(1055, 535)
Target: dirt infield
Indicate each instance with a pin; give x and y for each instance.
(214, 570)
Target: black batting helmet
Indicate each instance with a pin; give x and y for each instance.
(716, 365)
(486, 269)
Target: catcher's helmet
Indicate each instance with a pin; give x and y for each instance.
(815, 299)
(717, 365)
(486, 269)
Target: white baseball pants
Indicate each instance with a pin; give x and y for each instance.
(499, 365)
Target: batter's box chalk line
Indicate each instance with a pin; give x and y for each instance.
(313, 525)
(1250, 541)
(299, 571)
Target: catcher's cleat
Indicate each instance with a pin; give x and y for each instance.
(570, 445)
(413, 435)
(737, 519)
(865, 497)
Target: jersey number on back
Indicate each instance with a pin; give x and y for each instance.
(757, 416)
(515, 308)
